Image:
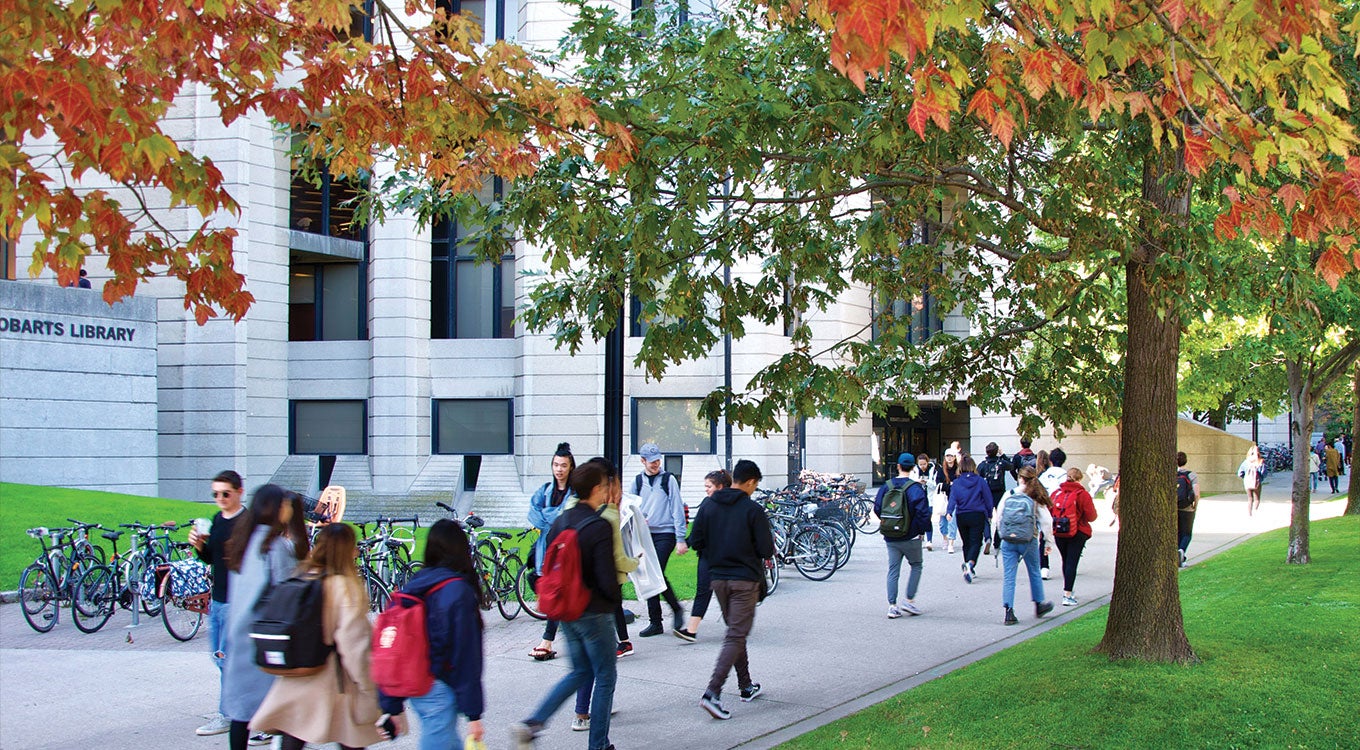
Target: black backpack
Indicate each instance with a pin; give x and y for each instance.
(287, 632)
(1185, 492)
(994, 471)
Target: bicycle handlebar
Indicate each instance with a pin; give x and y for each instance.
(393, 521)
(445, 507)
(499, 534)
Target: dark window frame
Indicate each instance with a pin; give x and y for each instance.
(509, 428)
(451, 257)
(318, 298)
(292, 424)
(633, 426)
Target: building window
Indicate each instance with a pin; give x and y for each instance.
(661, 9)
(326, 301)
(8, 260)
(328, 428)
(469, 298)
(920, 315)
(493, 25)
(674, 425)
(474, 426)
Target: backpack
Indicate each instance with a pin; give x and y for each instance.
(894, 521)
(1185, 492)
(994, 471)
(400, 657)
(1019, 519)
(287, 632)
(1066, 515)
(562, 594)
(1022, 460)
(666, 477)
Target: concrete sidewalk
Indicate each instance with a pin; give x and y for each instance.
(820, 651)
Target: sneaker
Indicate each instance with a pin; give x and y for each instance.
(713, 705)
(260, 738)
(1010, 617)
(580, 724)
(910, 609)
(685, 635)
(625, 649)
(1069, 601)
(219, 725)
(1043, 573)
(1182, 558)
(893, 612)
(1042, 608)
(951, 548)
(987, 547)
(749, 694)
(967, 573)
(651, 630)
(522, 735)
(930, 547)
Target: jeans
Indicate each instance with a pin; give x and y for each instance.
(591, 643)
(438, 712)
(665, 545)
(703, 590)
(948, 529)
(738, 601)
(217, 641)
(1011, 554)
(972, 525)
(898, 549)
(1071, 548)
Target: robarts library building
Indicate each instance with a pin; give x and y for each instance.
(386, 360)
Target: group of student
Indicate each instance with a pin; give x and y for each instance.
(971, 501)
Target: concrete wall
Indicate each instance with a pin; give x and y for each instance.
(1214, 454)
(77, 389)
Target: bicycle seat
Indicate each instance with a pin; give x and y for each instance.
(112, 536)
(474, 522)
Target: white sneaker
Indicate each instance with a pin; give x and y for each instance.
(893, 612)
(1043, 573)
(580, 724)
(1069, 601)
(930, 547)
(219, 725)
(910, 609)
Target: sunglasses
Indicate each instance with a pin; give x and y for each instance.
(221, 494)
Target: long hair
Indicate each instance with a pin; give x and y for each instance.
(1033, 487)
(297, 525)
(950, 472)
(266, 506)
(447, 547)
(333, 555)
(1042, 462)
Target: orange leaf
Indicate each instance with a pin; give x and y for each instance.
(1197, 153)
(1332, 265)
(917, 118)
(1289, 195)
(1175, 12)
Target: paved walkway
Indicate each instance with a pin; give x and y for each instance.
(820, 650)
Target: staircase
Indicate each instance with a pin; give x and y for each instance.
(499, 499)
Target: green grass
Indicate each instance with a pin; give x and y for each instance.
(1278, 668)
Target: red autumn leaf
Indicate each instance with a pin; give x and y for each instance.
(1175, 12)
(1332, 265)
(1290, 195)
(1197, 154)
(1037, 74)
(917, 118)
(1351, 178)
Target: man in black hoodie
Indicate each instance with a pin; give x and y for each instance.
(733, 533)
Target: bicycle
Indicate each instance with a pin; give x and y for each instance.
(528, 576)
(45, 586)
(185, 589)
(385, 559)
(128, 581)
(808, 545)
(498, 568)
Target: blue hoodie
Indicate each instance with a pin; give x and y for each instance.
(453, 623)
(970, 493)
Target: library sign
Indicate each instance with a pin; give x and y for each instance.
(64, 329)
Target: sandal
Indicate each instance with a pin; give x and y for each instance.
(542, 654)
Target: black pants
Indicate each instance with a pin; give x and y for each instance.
(665, 545)
(1071, 548)
(1185, 526)
(972, 525)
(703, 590)
(1043, 551)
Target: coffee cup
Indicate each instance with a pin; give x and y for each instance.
(202, 526)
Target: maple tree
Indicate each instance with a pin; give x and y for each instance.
(88, 168)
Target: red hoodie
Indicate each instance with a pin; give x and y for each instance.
(1086, 507)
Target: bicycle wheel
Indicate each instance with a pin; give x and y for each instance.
(507, 574)
(181, 622)
(814, 554)
(378, 593)
(524, 592)
(842, 542)
(771, 575)
(865, 520)
(142, 574)
(93, 599)
(38, 597)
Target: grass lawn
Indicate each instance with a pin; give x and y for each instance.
(1278, 668)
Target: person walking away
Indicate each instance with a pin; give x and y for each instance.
(1314, 469)
(664, 512)
(910, 515)
(339, 703)
(1052, 473)
(949, 471)
(703, 591)
(545, 505)
(590, 638)
(1023, 457)
(264, 549)
(1340, 447)
(1333, 461)
(993, 470)
(1073, 512)
(930, 476)
(1024, 515)
(1252, 470)
(1187, 502)
(733, 532)
(970, 508)
(453, 596)
(212, 549)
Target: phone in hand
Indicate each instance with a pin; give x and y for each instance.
(390, 727)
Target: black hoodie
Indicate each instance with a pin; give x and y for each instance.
(732, 533)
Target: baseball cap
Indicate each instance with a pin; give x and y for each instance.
(649, 452)
(906, 459)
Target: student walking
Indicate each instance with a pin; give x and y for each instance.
(1073, 512)
(970, 507)
(948, 472)
(733, 532)
(932, 479)
(908, 516)
(703, 591)
(665, 514)
(1187, 502)
(993, 470)
(1253, 471)
(1333, 462)
(1052, 473)
(544, 507)
(339, 703)
(1024, 515)
(590, 638)
(263, 550)
(212, 549)
(453, 596)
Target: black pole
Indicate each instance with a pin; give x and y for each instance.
(727, 348)
(613, 391)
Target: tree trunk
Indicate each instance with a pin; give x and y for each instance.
(1218, 418)
(1300, 429)
(1145, 609)
(1353, 497)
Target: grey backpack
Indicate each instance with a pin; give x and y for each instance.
(1019, 519)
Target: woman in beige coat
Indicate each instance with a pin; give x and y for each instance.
(339, 703)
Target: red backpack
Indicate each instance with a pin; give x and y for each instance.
(562, 594)
(1066, 514)
(400, 659)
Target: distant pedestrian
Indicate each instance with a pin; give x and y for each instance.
(1024, 515)
(1187, 503)
(929, 474)
(1340, 447)
(1314, 469)
(1252, 471)
(211, 548)
(1024, 457)
(1333, 461)
(703, 590)
(1072, 502)
(949, 470)
(970, 507)
(84, 282)
(906, 542)
(547, 502)
(665, 514)
(993, 470)
(733, 532)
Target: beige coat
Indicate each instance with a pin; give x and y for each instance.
(312, 708)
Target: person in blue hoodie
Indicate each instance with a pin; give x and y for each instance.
(970, 508)
(453, 624)
(908, 545)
